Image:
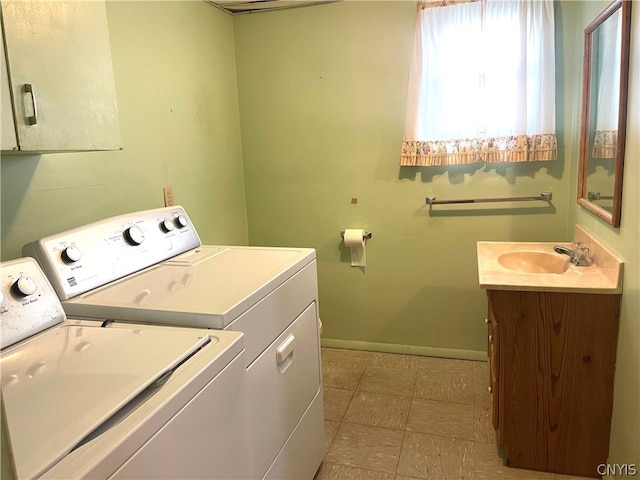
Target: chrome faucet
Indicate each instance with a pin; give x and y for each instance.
(565, 251)
(579, 256)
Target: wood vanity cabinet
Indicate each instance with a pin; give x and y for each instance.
(60, 77)
(552, 359)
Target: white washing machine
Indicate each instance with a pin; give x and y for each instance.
(150, 267)
(83, 400)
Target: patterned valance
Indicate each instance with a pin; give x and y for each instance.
(520, 148)
(441, 3)
(605, 144)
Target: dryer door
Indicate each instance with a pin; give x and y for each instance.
(281, 384)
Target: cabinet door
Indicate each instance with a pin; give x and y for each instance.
(61, 75)
(494, 367)
(494, 359)
(7, 127)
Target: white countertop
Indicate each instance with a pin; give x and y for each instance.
(604, 276)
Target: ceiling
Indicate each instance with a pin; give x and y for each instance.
(243, 6)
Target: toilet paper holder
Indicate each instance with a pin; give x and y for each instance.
(366, 236)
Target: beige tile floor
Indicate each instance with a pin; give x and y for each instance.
(404, 417)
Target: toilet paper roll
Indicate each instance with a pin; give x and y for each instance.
(354, 239)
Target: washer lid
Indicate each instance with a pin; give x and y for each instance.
(208, 287)
(59, 386)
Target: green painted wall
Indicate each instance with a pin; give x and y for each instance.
(625, 241)
(174, 66)
(322, 101)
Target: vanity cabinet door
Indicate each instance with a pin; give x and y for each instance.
(60, 75)
(493, 351)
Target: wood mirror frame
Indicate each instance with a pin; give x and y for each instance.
(585, 198)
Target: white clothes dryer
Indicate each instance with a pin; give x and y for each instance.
(83, 400)
(150, 267)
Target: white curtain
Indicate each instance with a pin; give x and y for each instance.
(605, 81)
(482, 84)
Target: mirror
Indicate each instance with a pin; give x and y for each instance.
(604, 112)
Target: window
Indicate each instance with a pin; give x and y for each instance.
(482, 83)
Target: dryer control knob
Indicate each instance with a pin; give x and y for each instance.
(71, 254)
(166, 226)
(181, 221)
(24, 286)
(134, 235)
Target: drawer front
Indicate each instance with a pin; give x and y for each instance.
(268, 318)
(281, 384)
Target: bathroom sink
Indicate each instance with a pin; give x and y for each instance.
(534, 262)
(535, 266)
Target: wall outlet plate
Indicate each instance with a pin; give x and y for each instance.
(168, 196)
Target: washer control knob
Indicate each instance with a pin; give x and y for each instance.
(166, 226)
(181, 221)
(24, 286)
(71, 254)
(134, 235)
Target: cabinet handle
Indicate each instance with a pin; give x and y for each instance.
(486, 321)
(33, 119)
(490, 390)
(491, 338)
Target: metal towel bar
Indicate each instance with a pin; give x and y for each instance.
(544, 196)
(598, 196)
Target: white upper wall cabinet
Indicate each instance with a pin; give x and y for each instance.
(60, 76)
(7, 126)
